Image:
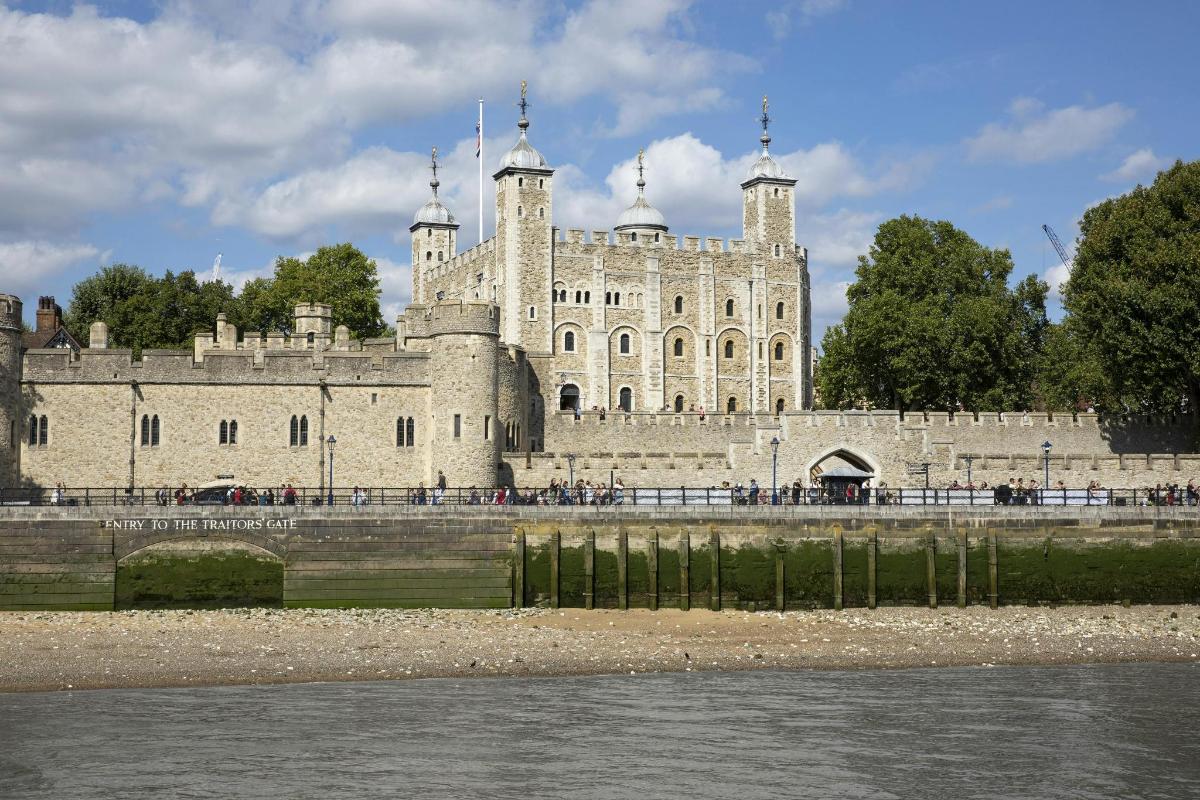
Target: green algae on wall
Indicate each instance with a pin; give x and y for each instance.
(218, 580)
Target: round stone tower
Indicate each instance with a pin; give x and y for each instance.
(10, 390)
(465, 442)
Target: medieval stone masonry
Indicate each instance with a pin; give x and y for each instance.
(699, 351)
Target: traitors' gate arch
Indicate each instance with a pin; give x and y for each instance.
(843, 461)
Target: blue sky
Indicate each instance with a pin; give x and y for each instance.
(163, 133)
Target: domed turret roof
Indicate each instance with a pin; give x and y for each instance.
(765, 166)
(433, 212)
(523, 155)
(641, 214)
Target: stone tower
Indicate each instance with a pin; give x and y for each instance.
(524, 242)
(463, 384)
(769, 203)
(434, 237)
(10, 390)
(313, 324)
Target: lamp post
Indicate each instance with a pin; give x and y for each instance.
(774, 470)
(1046, 463)
(968, 459)
(331, 442)
(571, 466)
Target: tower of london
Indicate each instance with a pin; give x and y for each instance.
(535, 355)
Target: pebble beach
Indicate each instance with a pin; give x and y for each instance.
(45, 651)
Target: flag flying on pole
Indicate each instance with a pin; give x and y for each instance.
(478, 139)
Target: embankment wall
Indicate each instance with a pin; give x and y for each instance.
(765, 558)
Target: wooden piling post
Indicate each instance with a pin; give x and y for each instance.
(685, 557)
(993, 570)
(555, 551)
(519, 571)
(652, 567)
(780, 600)
(622, 571)
(714, 543)
(589, 571)
(837, 568)
(872, 550)
(962, 567)
(931, 568)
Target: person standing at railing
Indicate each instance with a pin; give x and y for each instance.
(753, 492)
(797, 491)
(618, 492)
(1193, 494)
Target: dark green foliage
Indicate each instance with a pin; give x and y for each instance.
(933, 323)
(1133, 299)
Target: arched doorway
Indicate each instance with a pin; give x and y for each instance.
(568, 398)
(840, 469)
(678, 403)
(625, 402)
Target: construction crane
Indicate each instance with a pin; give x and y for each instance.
(1062, 251)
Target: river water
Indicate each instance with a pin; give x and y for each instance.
(1017, 732)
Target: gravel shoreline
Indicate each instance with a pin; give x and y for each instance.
(43, 651)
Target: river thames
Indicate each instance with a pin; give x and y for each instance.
(1096, 731)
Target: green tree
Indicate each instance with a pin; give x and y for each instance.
(932, 323)
(144, 312)
(340, 275)
(1133, 298)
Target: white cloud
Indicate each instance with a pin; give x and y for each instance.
(1035, 135)
(395, 284)
(800, 12)
(997, 203)
(28, 265)
(1137, 165)
(1056, 276)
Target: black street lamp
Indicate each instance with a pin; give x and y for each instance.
(1046, 462)
(774, 470)
(571, 467)
(968, 459)
(331, 442)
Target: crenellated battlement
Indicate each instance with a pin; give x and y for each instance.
(452, 317)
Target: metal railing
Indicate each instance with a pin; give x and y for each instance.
(662, 496)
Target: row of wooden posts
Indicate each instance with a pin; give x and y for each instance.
(714, 541)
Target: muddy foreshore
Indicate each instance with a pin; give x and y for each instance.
(42, 651)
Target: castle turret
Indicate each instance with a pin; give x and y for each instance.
(525, 242)
(313, 327)
(434, 236)
(10, 390)
(769, 203)
(642, 221)
(463, 387)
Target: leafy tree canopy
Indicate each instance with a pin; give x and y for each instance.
(340, 275)
(932, 323)
(1133, 298)
(144, 312)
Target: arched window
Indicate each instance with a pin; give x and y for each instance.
(154, 431)
(541, 183)
(429, 255)
(616, 298)
(533, 312)
(633, 236)
(429, 233)
(520, 211)
(520, 181)
(779, 406)
(294, 432)
(731, 406)
(626, 399)
(569, 342)
(678, 403)
(223, 437)
(729, 308)
(568, 397)
(656, 238)
(145, 430)
(779, 351)
(776, 250)
(777, 191)
(779, 310)
(729, 348)
(679, 304)
(439, 255)
(608, 298)
(233, 431)
(399, 431)
(541, 213)
(624, 346)
(304, 431)
(33, 430)
(578, 296)
(410, 426)
(43, 431)
(587, 297)
(679, 347)
(312, 337)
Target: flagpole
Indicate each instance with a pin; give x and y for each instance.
(481, 170)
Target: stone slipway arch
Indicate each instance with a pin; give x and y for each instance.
(854, 453)
(128, 544)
